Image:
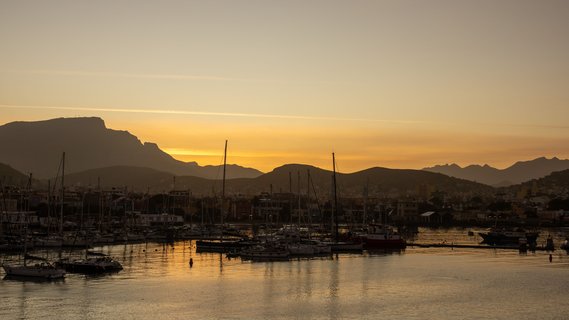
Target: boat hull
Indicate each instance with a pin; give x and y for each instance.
(43, 272)
(266, 256)
(496, 238)
(370, 243)
(91, 266)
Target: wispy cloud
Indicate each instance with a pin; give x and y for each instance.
(130, 75)
(207, 113)
(158, 76)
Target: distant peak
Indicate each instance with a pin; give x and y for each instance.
(84, 122)
(151, 145)
(293, 167)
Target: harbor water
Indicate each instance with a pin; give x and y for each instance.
(419, 283)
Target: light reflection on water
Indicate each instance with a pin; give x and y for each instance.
(158, 283)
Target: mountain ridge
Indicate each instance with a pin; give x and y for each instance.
(283, 179)
(37, 146)
(519, 172)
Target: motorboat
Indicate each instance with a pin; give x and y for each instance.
(90, 265)
(382, 237)
(508, 237)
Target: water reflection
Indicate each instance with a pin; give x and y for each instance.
(333, 287)
(157, 281)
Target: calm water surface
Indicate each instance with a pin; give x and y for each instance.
(158, 283)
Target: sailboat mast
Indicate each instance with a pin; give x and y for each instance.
(62, 193)
(335, 198)
(366, 191)
(223, 186)
(298, 174)
(308, 196)
(48, 205)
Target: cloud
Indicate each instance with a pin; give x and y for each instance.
(131, 75)
(207, 113)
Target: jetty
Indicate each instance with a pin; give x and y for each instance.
(472, 246)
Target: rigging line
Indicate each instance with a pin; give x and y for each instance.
(317, 201)
(217, 174)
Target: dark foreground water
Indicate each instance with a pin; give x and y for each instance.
(158, 283)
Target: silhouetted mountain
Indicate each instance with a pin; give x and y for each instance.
(12, 177)
(519, 172)
(380, 181)
(556, 180)
(37, 147)
(137, 178)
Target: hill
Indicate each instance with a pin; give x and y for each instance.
(519, 172)
(554, 183)
(37, 147)
(12, 177)
(380, 181)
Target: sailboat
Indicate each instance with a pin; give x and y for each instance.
(220, 245)
(99, 264)
(340, 246)
(42, 270)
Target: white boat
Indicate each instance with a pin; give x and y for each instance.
(262, 253)
(382, 237)
(42, 270)
(318, 246)
(565, 245)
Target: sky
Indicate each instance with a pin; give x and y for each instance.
(398, 84)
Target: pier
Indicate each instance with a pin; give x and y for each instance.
(471, 246)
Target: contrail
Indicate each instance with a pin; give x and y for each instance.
(206, 113)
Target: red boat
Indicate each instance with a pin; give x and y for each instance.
(382, 237)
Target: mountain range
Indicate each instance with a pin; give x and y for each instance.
(519, 172)
(292, 177)
(120, 158)
(37, 147)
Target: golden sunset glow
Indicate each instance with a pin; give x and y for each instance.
(399, 84)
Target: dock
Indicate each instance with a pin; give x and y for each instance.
(472, 246)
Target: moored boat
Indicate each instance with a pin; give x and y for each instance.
(42, 270)
(300, 249)
(382, 237)
(565, 245)
(265, 253)
(92, 265)
(508, 237)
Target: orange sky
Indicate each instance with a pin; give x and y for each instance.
(401, 84)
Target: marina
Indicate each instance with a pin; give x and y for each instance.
(284, 160)
(158, 279)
